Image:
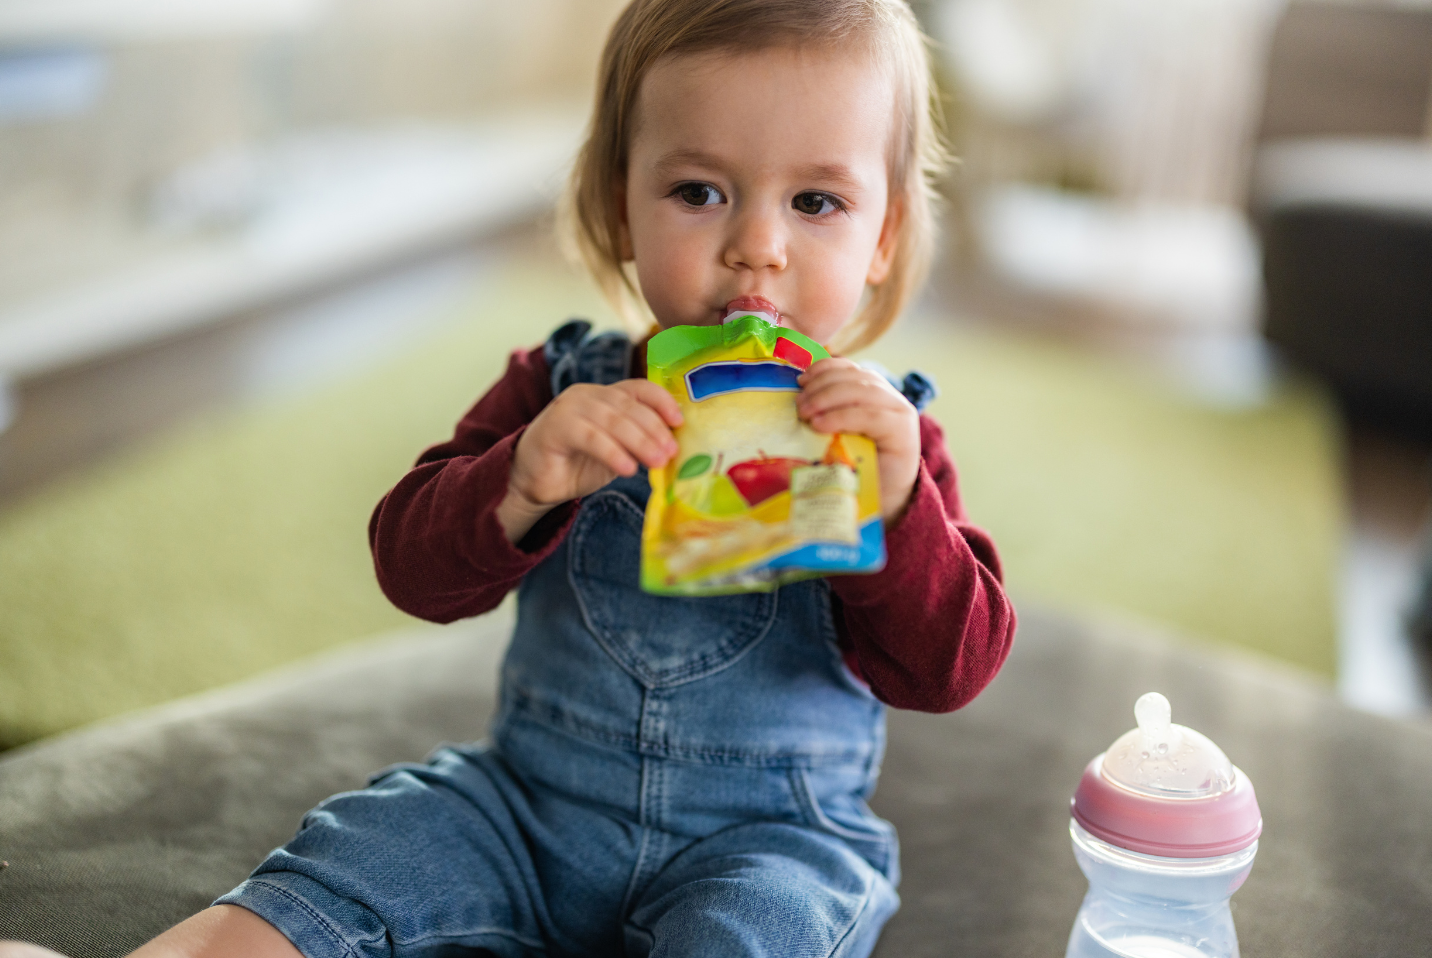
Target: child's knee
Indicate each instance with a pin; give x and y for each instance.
(766, 890)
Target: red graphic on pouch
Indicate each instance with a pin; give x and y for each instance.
(795, 355)
(759, 479)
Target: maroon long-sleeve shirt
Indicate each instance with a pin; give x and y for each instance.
(928, 632)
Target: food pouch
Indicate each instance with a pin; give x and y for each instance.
(754, 498)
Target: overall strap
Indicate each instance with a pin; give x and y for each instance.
(574, 355)
(915, 386)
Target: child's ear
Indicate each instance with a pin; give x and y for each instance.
(889, 238)
(619, 204)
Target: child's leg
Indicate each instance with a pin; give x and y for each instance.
(763, 889)
(451, 857)
(224, 931)
(20, 949)
(425, 857)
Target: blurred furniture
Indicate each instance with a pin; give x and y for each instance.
(301, 215)
(1150, 103)
(174, 176)
(1419, 614)
(1344, 68)
(266, 238)
(1104, 156)
(1343, 195)
(102, 102)
(115, 832)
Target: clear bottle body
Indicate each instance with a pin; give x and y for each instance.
(1145, 906)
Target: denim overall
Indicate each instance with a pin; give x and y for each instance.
(666, 776)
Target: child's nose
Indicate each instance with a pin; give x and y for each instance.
(757, 242)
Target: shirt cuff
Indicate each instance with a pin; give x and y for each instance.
(492, 553)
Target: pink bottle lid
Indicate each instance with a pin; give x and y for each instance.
(1163, 789)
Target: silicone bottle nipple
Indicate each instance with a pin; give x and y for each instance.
(1166, 760)
(1154, 715)
(1163, 789)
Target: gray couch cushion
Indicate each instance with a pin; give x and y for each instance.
(115, 832)
(118, 831)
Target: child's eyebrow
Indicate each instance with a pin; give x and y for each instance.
(668, 162)
(837, 175)
(834, 174)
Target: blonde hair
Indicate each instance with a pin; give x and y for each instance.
(648, 30)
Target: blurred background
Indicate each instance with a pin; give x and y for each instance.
(255, 255)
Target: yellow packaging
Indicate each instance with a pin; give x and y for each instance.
(754, 498)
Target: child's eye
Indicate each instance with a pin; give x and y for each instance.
(698, 194)
(815, 204)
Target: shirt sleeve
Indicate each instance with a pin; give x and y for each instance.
(931, 629)
(438, 550)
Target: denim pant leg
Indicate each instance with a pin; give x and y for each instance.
(439, 858)
(764, 889)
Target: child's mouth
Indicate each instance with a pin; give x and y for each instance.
(753, 306)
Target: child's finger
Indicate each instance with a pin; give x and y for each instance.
(599, 445)
(649, 393)
(879, 423)
(812, 379)
(840, 391)
(653, 450)
(656, 433)
(821, 374)
(825, 367)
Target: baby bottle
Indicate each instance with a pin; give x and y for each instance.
(1165, 828)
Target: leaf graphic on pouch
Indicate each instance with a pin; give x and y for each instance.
(694, 466)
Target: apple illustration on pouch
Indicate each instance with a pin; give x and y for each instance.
(759, 479)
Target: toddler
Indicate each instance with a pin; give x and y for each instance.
(670, 776)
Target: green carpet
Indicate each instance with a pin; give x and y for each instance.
(239, 542)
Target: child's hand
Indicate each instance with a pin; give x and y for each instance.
(839, 396)
(586, 437)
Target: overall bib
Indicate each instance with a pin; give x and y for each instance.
(666, 776)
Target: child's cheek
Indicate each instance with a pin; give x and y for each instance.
(672, 280)
(832, 282)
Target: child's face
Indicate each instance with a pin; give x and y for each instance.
(760, 177)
